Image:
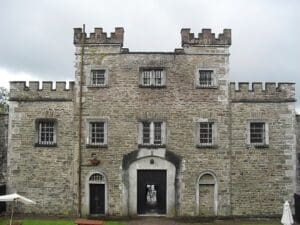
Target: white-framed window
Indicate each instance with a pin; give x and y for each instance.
(206, 134)
(98, 77)
(205, 78)
(153, 77)
(46, 132)
(152, 133)
(97, 133)
(258, 133)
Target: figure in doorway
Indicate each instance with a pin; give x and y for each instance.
(151, 194)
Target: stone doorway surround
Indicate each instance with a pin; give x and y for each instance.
(149, 159)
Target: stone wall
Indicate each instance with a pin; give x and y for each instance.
(248, 181)
(43, 174)
(3, 147)
(262, 178)
(298, 151)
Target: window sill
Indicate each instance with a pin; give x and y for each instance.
(98, 86)
(45, 145)
(206, 87)
(206, 146)
(152, 86)
(258, 146)
(151, 146)
(96, 146)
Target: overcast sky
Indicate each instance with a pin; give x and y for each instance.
(36, 40)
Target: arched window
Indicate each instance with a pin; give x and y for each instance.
(96, 178)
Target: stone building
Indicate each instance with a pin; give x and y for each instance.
(153, 133)
(3, 155)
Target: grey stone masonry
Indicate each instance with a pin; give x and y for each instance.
(41, 173)
(20, 92)
(99, 37)
(205, 38)
(270, 92)
(298, 151)
(228, 175)
(3, 146)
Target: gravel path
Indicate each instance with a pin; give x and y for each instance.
(153, 221)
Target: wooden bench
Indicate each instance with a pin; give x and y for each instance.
(88, 222)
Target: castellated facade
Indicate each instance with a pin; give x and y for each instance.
(147, 133)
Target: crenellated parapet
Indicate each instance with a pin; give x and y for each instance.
(20, 92)
(99, 37)
(205, 38)
(257, 92)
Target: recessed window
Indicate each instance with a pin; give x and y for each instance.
(46, 132)
(146, 132)
(152, 133)
(97, 135)
(98, 78)
(257, 133)
(206, 79)
(152, 77)
(157, 133)
(206, 134)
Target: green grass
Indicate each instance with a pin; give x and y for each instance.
(71, 222)
(52, 222)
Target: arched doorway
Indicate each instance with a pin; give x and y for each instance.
(207, 194)
(97, 193)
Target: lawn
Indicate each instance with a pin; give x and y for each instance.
(70, 222)
(52, 222)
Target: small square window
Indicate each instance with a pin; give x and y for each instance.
(46, 132)
(206, 79)
(97, 133)
(257, 133)
(98, 78)
(152, 78)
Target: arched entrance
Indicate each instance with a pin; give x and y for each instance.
(207, 194)
(97, 194)
(150, 183)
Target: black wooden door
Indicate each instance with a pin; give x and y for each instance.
(2, 204)
(97, 199)
(151, 191)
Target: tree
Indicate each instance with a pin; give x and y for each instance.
(3, 100)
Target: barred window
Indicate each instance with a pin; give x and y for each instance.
(206, 133)
(146, 132)
(257, 133)
(98, 77)
(97, 133)
(153, 77)
(147, 78)
(157, 133)
(205, 78)
(46, 132)
(152, 133)
(157, 77)
(96, 178)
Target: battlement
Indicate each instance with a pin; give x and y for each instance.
(270, 92)
(205, 38)
(20, 92)
(100, 37)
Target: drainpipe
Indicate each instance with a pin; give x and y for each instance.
(80, 120)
